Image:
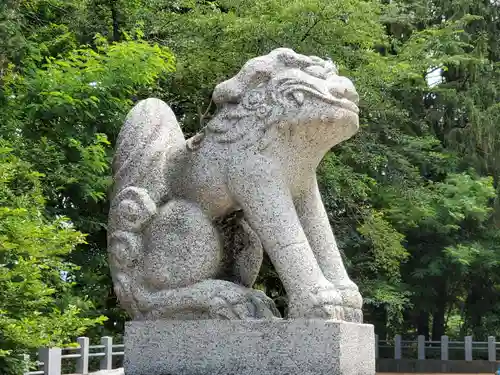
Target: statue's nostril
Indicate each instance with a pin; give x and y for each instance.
(351, 95)
(343, 88)
(316, 71)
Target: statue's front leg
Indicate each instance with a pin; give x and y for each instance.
(260, 190)
(314, 220)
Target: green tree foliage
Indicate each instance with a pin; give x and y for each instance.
(62, 116)
(38, 306)
(61, 108)
(412, 198)
(460, 113)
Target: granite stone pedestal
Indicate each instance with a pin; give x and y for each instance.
(225, 347)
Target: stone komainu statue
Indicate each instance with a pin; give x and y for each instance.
(258, 156)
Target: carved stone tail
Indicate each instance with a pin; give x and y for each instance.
(148, 138)
(149, 134)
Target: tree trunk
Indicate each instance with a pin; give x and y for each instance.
(438, 322)
(116, 23)
(423, 323)
(438, 316)
(379, 320)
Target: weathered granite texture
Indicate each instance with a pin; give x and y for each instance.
(259, 347)
(253, 163)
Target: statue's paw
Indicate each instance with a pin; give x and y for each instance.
(265, 307)
(324, 302)
(351, 298)
(141, 300)
(352, 302)
(235, 302)
(353, 315)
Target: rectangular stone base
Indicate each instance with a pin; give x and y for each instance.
(223, 347)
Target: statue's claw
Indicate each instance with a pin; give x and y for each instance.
(324, 302)
(329, 302)
(352, 302)
(239, 303)
(214, 299)
(351, 297)
(353, 315)
(266, 306)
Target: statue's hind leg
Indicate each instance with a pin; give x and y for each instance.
(208, 299)
(182, 258)
(181, 247)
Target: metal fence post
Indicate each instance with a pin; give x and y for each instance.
(444, 347)
(492, 349)
(51, 358)
(106, 361)
(82, 363)
(26, 363)
(397, 347)
(468, 348)
(421, 347)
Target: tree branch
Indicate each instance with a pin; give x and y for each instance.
(310, 29)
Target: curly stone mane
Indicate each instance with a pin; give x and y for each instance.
(262, 89)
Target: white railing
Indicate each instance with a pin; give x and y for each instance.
(50, 359)
(423, 346)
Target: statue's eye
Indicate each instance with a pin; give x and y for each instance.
(297, 96)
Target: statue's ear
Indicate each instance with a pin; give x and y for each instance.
(253, 99)
(291, 59)
(255, 73)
